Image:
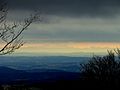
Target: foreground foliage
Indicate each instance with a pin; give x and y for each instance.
(103, 69)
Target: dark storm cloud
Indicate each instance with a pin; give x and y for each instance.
(71, 20)
(70, 7)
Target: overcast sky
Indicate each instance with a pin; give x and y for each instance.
(67, 8)
(70, 20)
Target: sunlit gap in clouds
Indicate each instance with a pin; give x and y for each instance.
(67, 49)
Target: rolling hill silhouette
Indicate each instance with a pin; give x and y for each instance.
(9, 75)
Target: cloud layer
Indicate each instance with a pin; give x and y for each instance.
(71, 20)
(91, 8)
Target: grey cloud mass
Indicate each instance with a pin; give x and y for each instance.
(71, 20)
(91, 8)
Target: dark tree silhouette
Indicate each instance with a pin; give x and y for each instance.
(10, 33)
(104, 69)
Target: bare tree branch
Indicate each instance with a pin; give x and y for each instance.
(10, 33)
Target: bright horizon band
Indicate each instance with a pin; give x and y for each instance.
(67, 49)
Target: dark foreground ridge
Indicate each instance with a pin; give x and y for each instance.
(47, 80)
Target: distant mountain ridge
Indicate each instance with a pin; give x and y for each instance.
(39, 69)
(70, 64)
